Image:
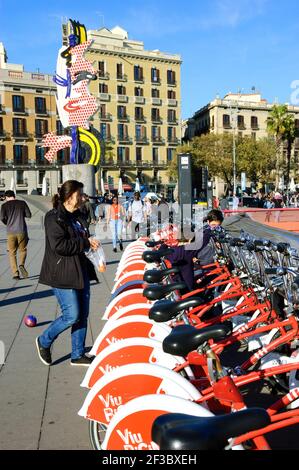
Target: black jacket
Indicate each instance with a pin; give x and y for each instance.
(62, 267)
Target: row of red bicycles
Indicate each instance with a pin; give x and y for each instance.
(189, 371)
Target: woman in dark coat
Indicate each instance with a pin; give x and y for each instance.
(68, 271)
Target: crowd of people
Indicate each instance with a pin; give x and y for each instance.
(67, 239)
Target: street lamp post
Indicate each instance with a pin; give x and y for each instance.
(233, 107)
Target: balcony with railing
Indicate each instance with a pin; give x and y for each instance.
(24, 135)
(158, 140)
(173, 140)
(171, 83)
(156, 81)
(123, 117)
(105, 116)
(104, 96)
(41, 112)
(156, 163)
(122, 98)
(139, 100)
(173, 121)
(139, 79)
(140, 118)
(157, 120)
(156, 101)
(20, 161)
(22, 183)
(227, 125)
(124, 139)
(121, 77)
(140, 139)
(21, 111)
(172, 102)
(103, 75)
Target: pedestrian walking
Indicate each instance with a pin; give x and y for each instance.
(87, 209)
(235, 202)
(68, 271)
(115, 218)
(136, 213)
(13, 215)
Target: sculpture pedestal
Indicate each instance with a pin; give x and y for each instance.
(82, 172)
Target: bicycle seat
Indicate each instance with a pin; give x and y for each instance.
(282, 247)
(159, 291)
(150, 256)
(177, 431)
(152, 243)
(155, 275)
(166, 310)
(236, 242)
(186, 338)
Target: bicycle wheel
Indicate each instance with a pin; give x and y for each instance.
(97, 432)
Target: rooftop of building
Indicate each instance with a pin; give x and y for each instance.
(15, 73)
(252, 100)
(117, 40)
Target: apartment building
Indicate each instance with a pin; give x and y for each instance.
(139, 100)
(244, 114)
(27, 111)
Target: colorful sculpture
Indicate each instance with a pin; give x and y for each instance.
(75, 104)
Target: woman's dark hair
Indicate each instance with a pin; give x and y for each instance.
(67, 189)
(115, 196)
(214, 215)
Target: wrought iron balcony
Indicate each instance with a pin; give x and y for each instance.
(122, 77)
(158, 140)
(105, 116)
(124, 139)
(104, 97)
(103, 75)
(141, 139)
(123, 117)
(172, 102)
(173, 140)
(140, 118)
(139, 100)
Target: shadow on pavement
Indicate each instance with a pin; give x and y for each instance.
(26, 298)
(12, 289)
(44, 323)
(61, 359)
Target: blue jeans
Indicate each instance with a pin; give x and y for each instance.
(116, 228)
(74, 305)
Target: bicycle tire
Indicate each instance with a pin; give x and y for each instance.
(97, 432)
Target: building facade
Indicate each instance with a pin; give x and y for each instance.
(239, 113)
(27, 111)
(139, 98)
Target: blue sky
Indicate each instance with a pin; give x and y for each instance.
(226, 45)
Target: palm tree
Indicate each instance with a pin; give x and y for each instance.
(276, 126)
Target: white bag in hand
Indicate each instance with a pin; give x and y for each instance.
(98, 259)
